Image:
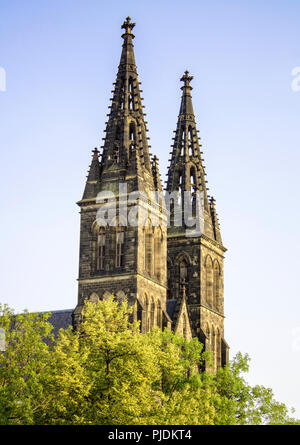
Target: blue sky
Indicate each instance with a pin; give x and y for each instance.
(61, 58)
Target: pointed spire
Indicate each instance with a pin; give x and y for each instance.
(186, 107)
(187, 171)
(156, 174)
(215, 221)
(92, 185)
(127, 56)
(126, 143)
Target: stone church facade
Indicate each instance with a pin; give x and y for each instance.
(170, 279)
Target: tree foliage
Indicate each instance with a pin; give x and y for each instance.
(108, 373)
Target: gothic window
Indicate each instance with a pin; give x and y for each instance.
(208, 281)
(193, 188)
(213, 346)
(119, 259)
(152, 314)
(117, 144)
(182, 140)
(122, 94)
(216, 285)
(131, 95)
(218, 349)
(207, 333)
(148, 235)
(159, 324)
(183, 270)
(132, 138)
(120, 296)
(94, 298)
(101, 241)
(191, 141)
(157, 251)
(147, 313)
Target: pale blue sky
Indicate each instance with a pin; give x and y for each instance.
(61, 58)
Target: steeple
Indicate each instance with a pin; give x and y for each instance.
(187, 171)
(125, 148)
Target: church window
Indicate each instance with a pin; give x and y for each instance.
(157, 251)
(218, 349)
(208, 280)
(191, 141)
(159, 314)
(148, 234)
(183, 270)
(131, 95)
(119, 246)
(132, 138)
(101, 241)
(216, 285)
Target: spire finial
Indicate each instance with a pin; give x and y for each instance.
(128, 26)
(95, 153)
(186, 79)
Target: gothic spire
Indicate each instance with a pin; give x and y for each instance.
(187, 172)
(92, 185)
(156, 174)
(125, 148)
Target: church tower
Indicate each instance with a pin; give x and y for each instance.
(124, 254)
(195, 260)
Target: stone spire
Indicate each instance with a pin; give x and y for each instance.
(125, 148)
(92, 185)
(215, 220)
(186, 170)
(156, 174)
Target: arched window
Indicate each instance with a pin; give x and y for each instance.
(94, 298)
(213, 346)
(218, 349)
(122, 93)
(148, 239)
(132, 138)
(208, 340)
(147, 313)
(101, 241)
(152, 314)
(159, 320)
(120, 297)
(209, 281)
(131, 94)
(116, 152)
(216, 285)
(119, 259)
(157, 251)
(191, 141)
(183, 270)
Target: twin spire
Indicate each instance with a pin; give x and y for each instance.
(125, 155)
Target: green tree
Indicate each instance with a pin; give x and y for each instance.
(108, 373)
(23, 366)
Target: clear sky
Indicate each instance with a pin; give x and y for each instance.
(60, 59)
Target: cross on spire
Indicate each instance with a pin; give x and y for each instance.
(128, 26)
(186, 79)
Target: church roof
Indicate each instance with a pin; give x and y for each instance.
(60, 319)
